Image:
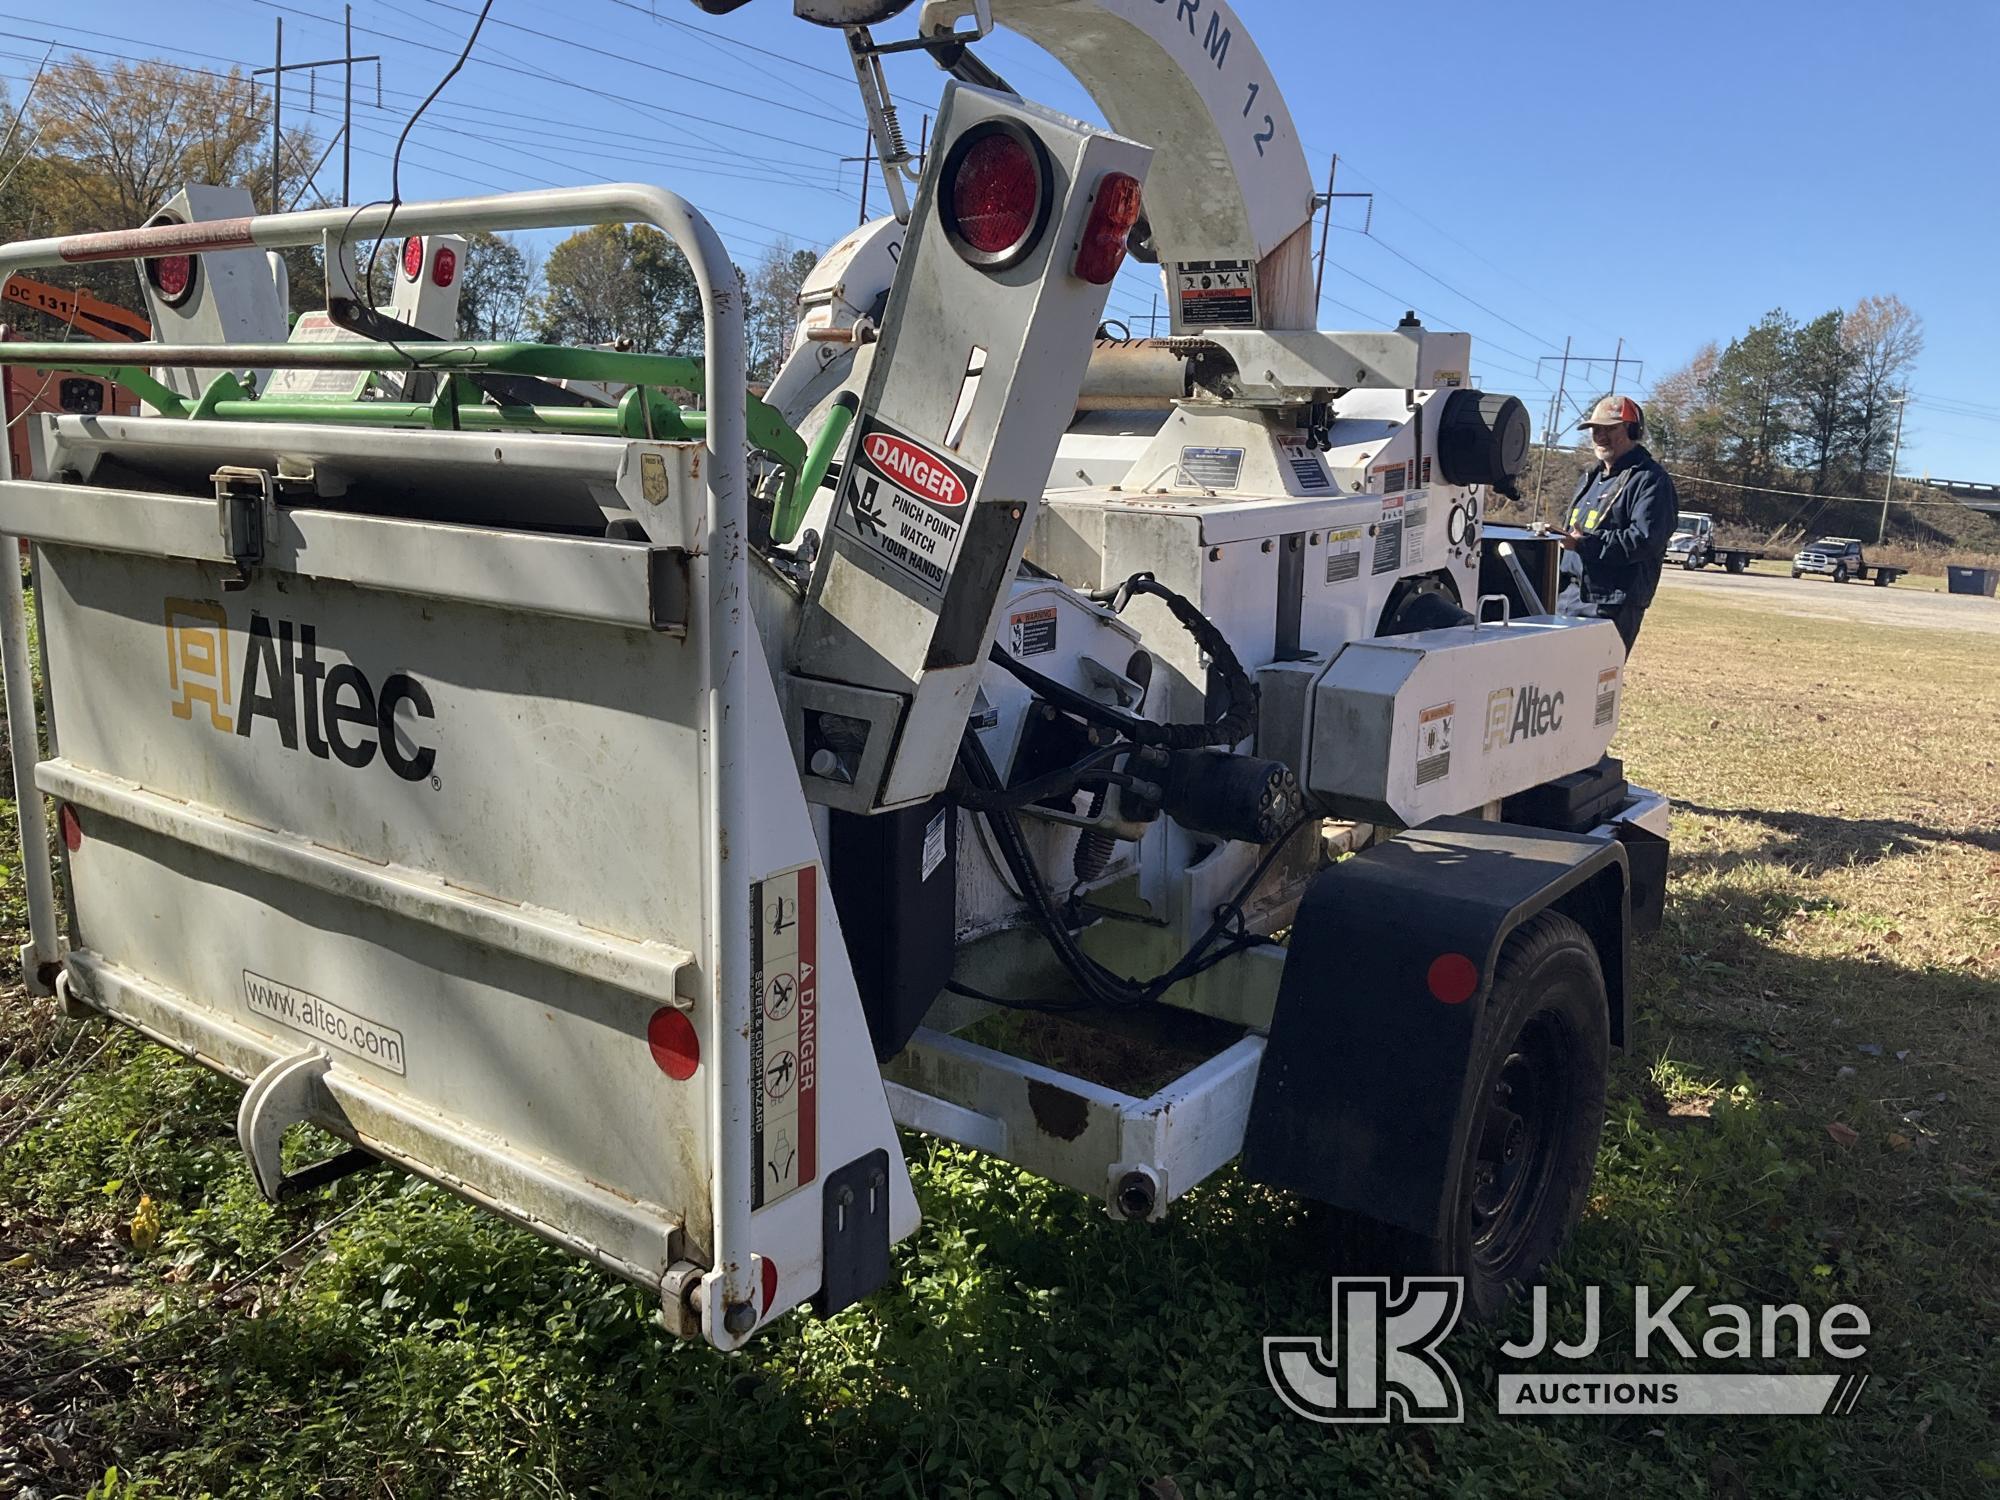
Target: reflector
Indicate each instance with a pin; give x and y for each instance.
(995, 193)
(444, 267)
(172, 276)
(413, 256)
(1112, 214)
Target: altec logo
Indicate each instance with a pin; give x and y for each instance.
(332, 708)
(1522, 713)
(915, 470)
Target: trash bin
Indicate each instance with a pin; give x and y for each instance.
(1979, 581)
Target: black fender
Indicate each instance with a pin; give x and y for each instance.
(1366, 1069)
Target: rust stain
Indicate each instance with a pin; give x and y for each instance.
(1057, 1111)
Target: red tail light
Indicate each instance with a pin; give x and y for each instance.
(1112, 214)
(995, 194)
(172, 277)
(413, 256)
(445, 266)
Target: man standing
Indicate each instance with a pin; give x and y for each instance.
(1620, 519)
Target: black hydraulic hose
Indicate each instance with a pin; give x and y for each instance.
(1237, 721)
(1098, 983)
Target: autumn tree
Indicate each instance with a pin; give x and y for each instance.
(112, 144)
(495, 288)
(1823, 367)
(124, 139)
(772, 314)
(615, 283)
(1884, 337)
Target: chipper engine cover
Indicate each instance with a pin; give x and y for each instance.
(1411, 727)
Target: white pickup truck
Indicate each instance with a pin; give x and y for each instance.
(1693, 545)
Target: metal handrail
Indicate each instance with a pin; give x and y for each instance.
(723, 551)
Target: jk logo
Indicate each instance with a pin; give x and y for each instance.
(1380, 1362)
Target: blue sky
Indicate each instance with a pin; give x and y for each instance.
(1541, 172)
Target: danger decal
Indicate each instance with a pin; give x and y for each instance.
(906, 503)
(784, 1032)
(1434, 742)
(1216, 293)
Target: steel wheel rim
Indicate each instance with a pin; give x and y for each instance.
(1523, 1141)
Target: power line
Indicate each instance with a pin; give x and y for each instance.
(1476, 254)
(1465, 296)
(763, 100)
(719, 39)
(1761, 489)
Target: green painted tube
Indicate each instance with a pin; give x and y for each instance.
(819, 457)
(581, 421)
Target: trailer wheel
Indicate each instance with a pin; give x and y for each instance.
(1529, 1148)
(1737, 564)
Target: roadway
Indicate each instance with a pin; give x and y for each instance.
(1821, 599)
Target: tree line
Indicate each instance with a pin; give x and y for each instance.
(103, 147)
(1799, 405)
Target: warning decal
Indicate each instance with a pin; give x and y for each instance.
(1393, 477)
(1416, 520)
(1434, 742)
(317, 328)
(1307, 467)
(1607, 696)
(905, 502)
(1217, 293)
(1032, 632)
(1343, 554)
(1389, 537)
(784, 1033)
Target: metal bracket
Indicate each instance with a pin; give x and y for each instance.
(287, 1093)
(854, 1219)
(243, 499)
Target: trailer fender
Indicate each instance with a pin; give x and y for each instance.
(1391, 959)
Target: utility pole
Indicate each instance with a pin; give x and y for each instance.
(867, 161)
(1617, 359)
(1153, 319)
(1549, 431)
(1889, 484)
(1325, 201)
(277, 71)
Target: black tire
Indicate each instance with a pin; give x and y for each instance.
(1840, 572)
(1540, 1057)
(1738, 564)
(1795, 573)
(1689, 562)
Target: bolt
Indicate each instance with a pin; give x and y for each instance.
(740, 1318)
(845, 1197)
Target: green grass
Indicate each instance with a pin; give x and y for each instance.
(1836, 888)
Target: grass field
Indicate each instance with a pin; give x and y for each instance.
(1807, 1111)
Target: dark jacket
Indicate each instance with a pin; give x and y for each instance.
(1624, 545)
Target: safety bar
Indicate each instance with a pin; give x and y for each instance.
(727, 962)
